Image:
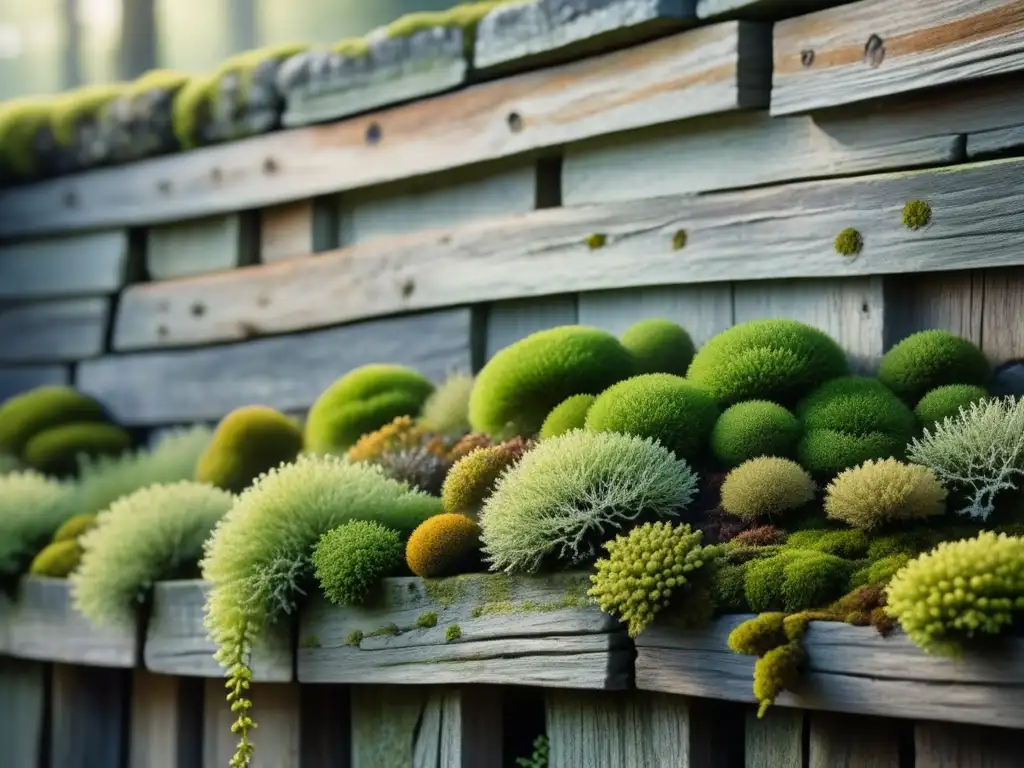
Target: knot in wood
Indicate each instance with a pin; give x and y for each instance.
(373, 133)
(807, 57)
(874, 51)
(515, 122)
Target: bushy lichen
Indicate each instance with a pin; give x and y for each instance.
(766, 487)
(420, 467)
(443, 545)
(946, 402)
(426, 620)
(916, 214)
(446, 409)
(754, 428)
(878, 494)
(659, 346)
(453, 633)
(350, 560)
(848, 242)
(32, 507)
(930, 359)
(569, 414)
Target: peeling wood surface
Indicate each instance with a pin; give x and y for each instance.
(712, 69)
(874, 48)
(521, 632)
(775, 232)
(53, 331)
(177, 642)
(44, 626)
(85, 264)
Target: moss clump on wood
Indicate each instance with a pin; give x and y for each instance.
(355, 637)
(916, 214)
(20, 122)
(596, 240)
(312, 641)
(72, 108)
(679, 240)
(426, 620)
(849, 242)
(453, 633)
(388, 630)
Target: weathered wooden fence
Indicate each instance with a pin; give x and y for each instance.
(718, 159)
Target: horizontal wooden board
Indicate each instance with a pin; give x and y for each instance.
(298, 229)
(513, 631)
(873, 48)
(996, 142)
(198, 246)
(17, 379)
(286, 372)
(90, 263)
(53, 331)
(760, 9)
(177, 642)
(44, 626)
(777, 232)
(713, 69)
(849, 669)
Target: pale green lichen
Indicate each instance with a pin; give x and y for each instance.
(848, 242)
(916, 214)
(679, 240)
(596, 240)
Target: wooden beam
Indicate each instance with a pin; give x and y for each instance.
(287, 372)
(81, 265)
(15, 380)
(872, 48)
(778, 232)
(712, 69)
(760, 9)
(53, 331)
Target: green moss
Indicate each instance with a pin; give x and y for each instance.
(352, 47)
(569, 414)
(848, 543)
(21, 120)
(312, 641)
(355, 637)
(155, 80)
(757, 636)
(56, 451)
(679, 240)
(728, 588)
(796, 580)
(57, 560)
(26, 415)
(498, 586)
(879, 572)
(775, 672)
(596, 240)
(75, 526)
(426, 620)
(448, 591)
(72, 107)
(929, 359)
(916, 214)
(764, 487)
(754, 428)
(945, 402)
(659, 346)
(388, 630)
(453, 633)
(848, 242)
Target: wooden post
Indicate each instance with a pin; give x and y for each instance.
(89, 716)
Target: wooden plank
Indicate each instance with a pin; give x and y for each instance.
(510, 321)
(275, 708)
(951, 301)
(513, 632)
(851, 311)
(839, 741)
(439, 202)
(695, 73)
(870, 49)
(89, 263)
(777, 739)
(15, 380)
(177, 642)
(703, 310)
(53, 331)
(198, 246)
(89, 715)
(326, 726)
(944, 745)
(542, 32)
(1002, 315)
(760, 9)
(45, 626)
(999, 141)
(287, 372)
(791, 229)
(166, 721)
(22, 711)
(298, 229)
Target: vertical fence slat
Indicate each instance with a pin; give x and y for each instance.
(204, 245)
(89, 716)
(947, 300)
(326, 726)
(775, 740)
(276, 712)
(951, 745)
(166, 723)
(1002, 314)
(22, 712)
(851, 741)
(471, 727)
(384, 722)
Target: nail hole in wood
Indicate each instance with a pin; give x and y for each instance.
(198, 309)
(408, 287)
(807, 57)
(373, 133)
(161, 331)
(874, 51)
(865, 308)
(216, 175)
(270, 165)
(70, 199)
(163, 187)
(515, 122)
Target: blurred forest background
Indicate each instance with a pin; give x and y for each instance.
(48, 46)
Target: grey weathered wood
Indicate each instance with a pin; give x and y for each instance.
(526, 34)
(166, 721)
(838, 741)
(17, 379)
(914, 47)
(776, 740)
(52, 331)
(951, 301)
(849, 669)
(45, 626)
(851, 311)
(760, 9)
(298, 229)
(95, 262)
(995, 142)
(322, 85)
(944, 745)
(703, 310)
(1002, 314)
(177, 642)
(22, 711)
(776, 232)
(88, 716)
(198, 246)
(275, 708)
(713, 69)
(509, 321)
(520, 632)
(287, 372)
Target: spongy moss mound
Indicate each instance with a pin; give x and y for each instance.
(26, 415)
(446, 410)
(881, 493)
(659, 346)
(764, 487)
(362, 401)
(520, 385)
(677, 413)
(754, 428)
(929, 359)
(778, 360)
(75, 526)
(473, 477)
(796, 580)
(57, 451)
(569, 414)
(443, 545)
(57, 560)
(155, 533)
(32, 507)
(248, 442)
(350, 560)
(946, 401)
(20, 121)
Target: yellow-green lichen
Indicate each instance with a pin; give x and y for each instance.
(355, 637)
(528, 606)
(312, 641)
(20, 121)
(916, 214)
(679, 240)
(447, 591)
(848, 242)
(155, 80)
(426, 620)
(386, 631)
(70, 108)
(596, 240)
(453, 633)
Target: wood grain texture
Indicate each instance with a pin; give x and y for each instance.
(17, 379)
(943, 745)
(298, 229)
(760, 9)
(849, 669)
(89, 716)
(44, 626)
(870, 49)
(509, 321)
(326, 726)
(177, 642)
(775, 740)
(951, 301)
(1002, 315)
(22, 711)
(774, 232)
(708, 70)
(995, 142)
(275, 708)
(528, 632)
(90, 263)
(522, 35)
(53, 331)
(166, 721)
(198, 246)
(703, 310)
(287, 372)
(842, 741)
